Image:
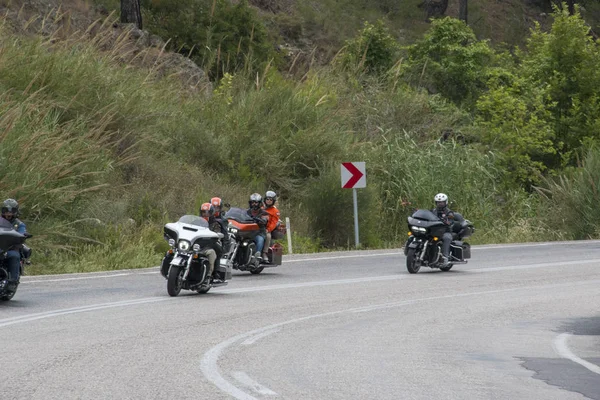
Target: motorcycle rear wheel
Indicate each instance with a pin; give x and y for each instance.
(411, 262)
(174, 281)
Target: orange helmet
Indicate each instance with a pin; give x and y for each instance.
(216, 203)
(207, 211)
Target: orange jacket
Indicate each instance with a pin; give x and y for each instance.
(273, 218)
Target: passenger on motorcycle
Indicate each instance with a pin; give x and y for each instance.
(217, 205)
(270, 199)
(447, 216)
(10, 212)
(207, 211)
(261, 217)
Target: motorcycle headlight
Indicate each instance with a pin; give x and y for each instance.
(184, 245)
(172, 242)
(196, 247)
(418, 229)
(233, 230)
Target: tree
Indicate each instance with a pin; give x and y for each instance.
(131, 12)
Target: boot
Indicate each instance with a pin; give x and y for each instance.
(444, 261)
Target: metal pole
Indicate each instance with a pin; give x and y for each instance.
(355, 198)
(289, 235)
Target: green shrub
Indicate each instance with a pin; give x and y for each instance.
(373, 50)
(450, 60)
(219, 35)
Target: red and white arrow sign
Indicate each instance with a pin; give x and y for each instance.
(354, 175)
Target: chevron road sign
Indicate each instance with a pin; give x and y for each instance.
(354, 175)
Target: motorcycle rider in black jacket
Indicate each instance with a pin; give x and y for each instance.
(447, 216)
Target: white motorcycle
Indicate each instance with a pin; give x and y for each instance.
(186, 264)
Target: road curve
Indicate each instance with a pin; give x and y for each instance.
(517, 322)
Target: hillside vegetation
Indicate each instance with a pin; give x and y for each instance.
(101, 146)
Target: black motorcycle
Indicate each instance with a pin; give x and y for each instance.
(11, 239)
(424, 245)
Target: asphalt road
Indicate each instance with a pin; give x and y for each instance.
(517, 322)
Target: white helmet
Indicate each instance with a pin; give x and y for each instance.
(441, 198)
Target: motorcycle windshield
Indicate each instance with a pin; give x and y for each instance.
(194, 220)
(239, 215)
(425, 215)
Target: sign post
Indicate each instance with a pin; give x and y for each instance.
(354, 176)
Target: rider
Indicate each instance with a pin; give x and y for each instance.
(10, 212)
(447, 216)
(217, 205)
(261, 217)
(215, 252)
(270, 199)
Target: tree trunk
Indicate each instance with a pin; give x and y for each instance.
(131, 12)
(571, 7)
(434, 8)
(462, 10)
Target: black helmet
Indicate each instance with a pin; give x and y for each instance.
(271, 195)
(255, 201)
(10, 205)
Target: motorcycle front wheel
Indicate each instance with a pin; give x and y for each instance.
(174, 280)
(411, 262)
(8, 296)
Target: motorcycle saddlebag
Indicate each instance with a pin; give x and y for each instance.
(460, 250)
(466, 250)
(224, 268)
(276, 254)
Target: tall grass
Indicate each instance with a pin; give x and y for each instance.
(570, 201)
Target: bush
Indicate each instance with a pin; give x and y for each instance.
(218, 35)
(451, 61)
(374, 50)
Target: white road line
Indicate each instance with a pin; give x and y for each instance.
(56, 313)
(316, 283)
(244, 379)
(209, 363)
(534, 266)
(319, 258)
(77, 278)
(561, 347)
(254, 339)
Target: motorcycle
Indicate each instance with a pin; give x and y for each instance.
(243, 230)
(186, 262)
(10, 238)
(424, 245)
